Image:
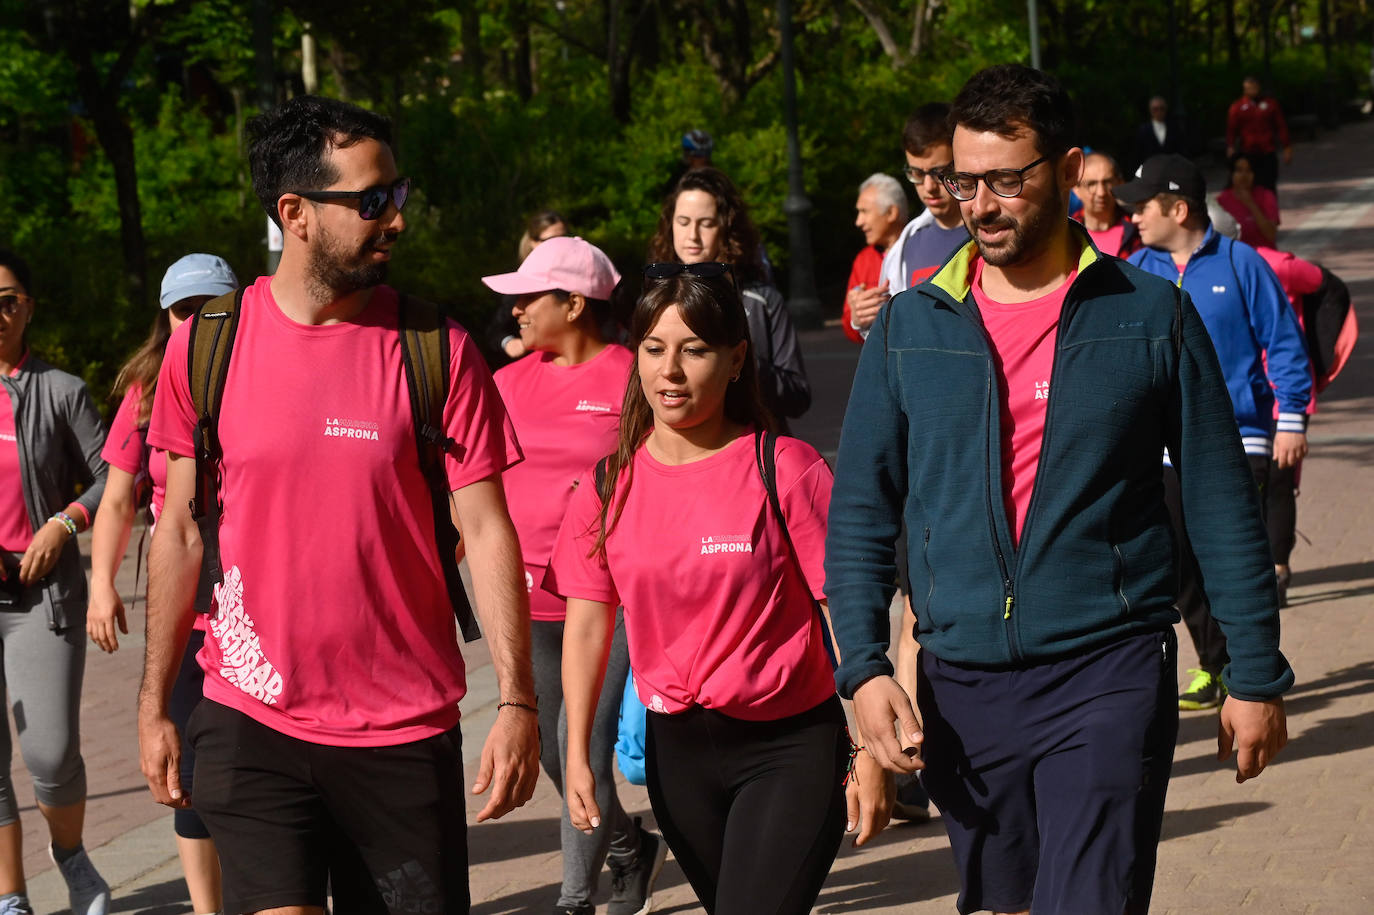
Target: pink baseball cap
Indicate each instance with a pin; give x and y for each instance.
(568, 263)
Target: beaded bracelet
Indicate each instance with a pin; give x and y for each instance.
(66, 521)
(519, 705)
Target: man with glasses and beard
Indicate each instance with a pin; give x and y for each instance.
(1011, 411)
(328, 746)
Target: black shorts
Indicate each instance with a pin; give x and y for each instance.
(385, 826)
(1051, 779)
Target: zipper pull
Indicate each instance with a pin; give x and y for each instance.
(1007, 614)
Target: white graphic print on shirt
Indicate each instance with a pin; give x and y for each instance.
(242, 661)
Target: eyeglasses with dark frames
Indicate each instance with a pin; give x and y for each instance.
(1004, 182)
(917, 175)
(372, 201)
(12, 302)
(706, 270)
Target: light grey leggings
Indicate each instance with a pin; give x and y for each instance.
(583, 855)
(41, 671)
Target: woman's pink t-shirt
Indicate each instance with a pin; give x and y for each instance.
(1268, 204)
(124, 448)
(125, 443)
(567, 417)
(333, 622)
(16, 531)
(718, 612)
(1023, 336)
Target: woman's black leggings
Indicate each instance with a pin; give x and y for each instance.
(754, 811)
(1281, 516)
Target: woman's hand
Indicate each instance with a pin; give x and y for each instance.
(43, 552)
(869, 797)
(579, 789)
(106, 610)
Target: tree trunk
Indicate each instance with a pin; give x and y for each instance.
(1232, 39)
(474, 61)
(118, 142)
(524, 70)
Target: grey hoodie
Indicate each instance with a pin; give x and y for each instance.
(60, 435)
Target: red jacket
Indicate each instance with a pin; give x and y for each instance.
(867, 270)
(1256, 125)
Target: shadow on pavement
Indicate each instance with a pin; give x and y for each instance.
(1179, 823)
(506, 840)
(892, 881)
(1344, 574)
(166, 898)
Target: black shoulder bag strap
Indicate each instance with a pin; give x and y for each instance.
(210, 345)
(425, 352)
(765, 455)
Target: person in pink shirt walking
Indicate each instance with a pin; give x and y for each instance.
(746, 747)
(187, 284)
(564, 401)
(328, 747)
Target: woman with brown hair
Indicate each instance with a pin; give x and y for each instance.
(139, 473)
(704, 220)
(746, 740)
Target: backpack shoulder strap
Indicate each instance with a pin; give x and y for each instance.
(426, 356)
(766, 456)
(211, 343)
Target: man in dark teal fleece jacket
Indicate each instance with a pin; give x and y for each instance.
(1012, 410)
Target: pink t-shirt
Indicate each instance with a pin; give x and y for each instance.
(567, 417)
(1023, 336)
(1108, 241)
(718, 612)
(125, 443)
(1268, 204)
(16, 531)
(333, 623)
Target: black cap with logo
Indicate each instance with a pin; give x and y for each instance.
(1166, 173)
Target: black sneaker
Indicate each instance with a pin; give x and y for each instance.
(1205, 691)
(632, 885)
(585, 908)
(912, 803)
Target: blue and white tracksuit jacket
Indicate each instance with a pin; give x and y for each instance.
(1250, 320)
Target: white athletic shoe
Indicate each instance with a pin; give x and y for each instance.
(87, 890)
(16, 905)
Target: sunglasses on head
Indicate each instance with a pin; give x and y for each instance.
(372, 201)
(11, 302)
(705, 270)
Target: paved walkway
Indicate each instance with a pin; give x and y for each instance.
(1296, 840)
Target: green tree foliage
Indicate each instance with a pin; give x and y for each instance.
(503, 107)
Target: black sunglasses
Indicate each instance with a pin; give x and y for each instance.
(372, 201)
(706, 270)
(917, 175)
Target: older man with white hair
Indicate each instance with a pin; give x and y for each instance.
(881, 212)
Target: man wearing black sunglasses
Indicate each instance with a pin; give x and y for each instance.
(328, 747)
(1011, 411)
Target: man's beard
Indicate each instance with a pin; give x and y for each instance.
(1026, 237)
(338, 272)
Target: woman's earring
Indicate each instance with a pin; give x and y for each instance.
(735, 377)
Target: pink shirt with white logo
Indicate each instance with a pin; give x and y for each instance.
(1023, 336)
(567, 417)
(718, 612)
(333, 623)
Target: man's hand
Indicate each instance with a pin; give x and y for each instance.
(159, 751)
(1256, 730)
(868, 796)
(43, 552)
(579, 787)
(106, 611)
(1289, 448)
(510, 762)
(1288, 155)
(864, 304)
(882, 711)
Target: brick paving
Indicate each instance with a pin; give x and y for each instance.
(1297, 839)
